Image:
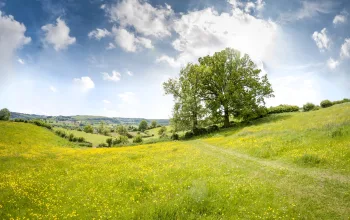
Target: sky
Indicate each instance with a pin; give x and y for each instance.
(110, 57)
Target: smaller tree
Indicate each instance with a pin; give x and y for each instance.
(109, 141)
(121, 130)
(88, 129)
(326, 104)
(162, 131)
(308, 107)
(143, 125)
(137, 139)
(154, 124)
(5, 114)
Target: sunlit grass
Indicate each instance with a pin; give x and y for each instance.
(284, 166)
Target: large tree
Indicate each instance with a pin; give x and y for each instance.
(231, 84)
(188, 109)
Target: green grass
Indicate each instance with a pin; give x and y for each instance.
(284, 166)
(95, 139)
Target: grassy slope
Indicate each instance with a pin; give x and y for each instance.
(251, 172)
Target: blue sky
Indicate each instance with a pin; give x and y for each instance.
(110, 57)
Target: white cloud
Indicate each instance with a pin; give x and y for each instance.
(332, 64)
(58, 35)
(106, 101)
(110, 46)
(321, 39)
(129, 73)
(84, 82)
(53, 89)
(21, 61)
(98, 34)
(206, 31)
(129, 42)
(115, 76)
(345, 49)
(12, 38)
(308, 9)
(341, 18)
(141, 15)
(249, 7)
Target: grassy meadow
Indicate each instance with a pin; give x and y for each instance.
(284, 166)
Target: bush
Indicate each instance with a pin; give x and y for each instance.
(109, 141)
(143, 125)
(188, 135)
(81, 139)
(129, 135)
(120, 140)
(41, 124)
(174, 136)
(212, 128)
(5, 114)
(326, 104)
(137, 139)
(162, 131)
(282, 109)
(341, 101)
(199, 131)
(88, 129)
(308, 107)
(102, 145)
(70, 137)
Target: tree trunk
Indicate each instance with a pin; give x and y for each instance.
(226, 118)
(195, 122)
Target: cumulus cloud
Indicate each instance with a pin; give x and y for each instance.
(332, 64)
(341, 18)
(321, 39)
(129, 42)
(142, 16)
(206, 31)
(53, 89)
(114, 77)
(85, 83)
(308, 9)
(98, 34)
(345, 49)
(58, 35)
(12, 38)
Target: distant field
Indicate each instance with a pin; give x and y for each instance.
(95, 139)
(284, 166)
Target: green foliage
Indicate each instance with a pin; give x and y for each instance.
(174, 136)
(199, 131)
(109, 142)
(212, 128)
(121, 130)
(162, 130)
(71, 137)
(326, 103)
(308, 107)
(5, 114)
(154, 124)
(188, 135)
(137, 139)
(143, 125)
(120, 140)
(88, 129)
(283, 109)
(102, 145)
(345, 100)
(41, 123)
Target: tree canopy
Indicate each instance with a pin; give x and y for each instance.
(5, 114)
(226, 84)
(143, 125)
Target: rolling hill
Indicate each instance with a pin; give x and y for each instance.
(291, 165)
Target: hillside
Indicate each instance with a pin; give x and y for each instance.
(87, 119)
(291, 165)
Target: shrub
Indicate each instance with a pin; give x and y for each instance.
(326, 103)
(341, 101)
(317, 107)
(120, 140)
(212, 128)
(109, 141)
(137, 139)
(129, 135)
(188, 135)
(162, 131)
(143, 125)
(88, 129)
(5, 114)
(41, 124)
(199, 131)
(308, 107)
(81, 139)
(102, 145)
(70, 137)
(75, 139)
(282, 109)
(174, 136)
